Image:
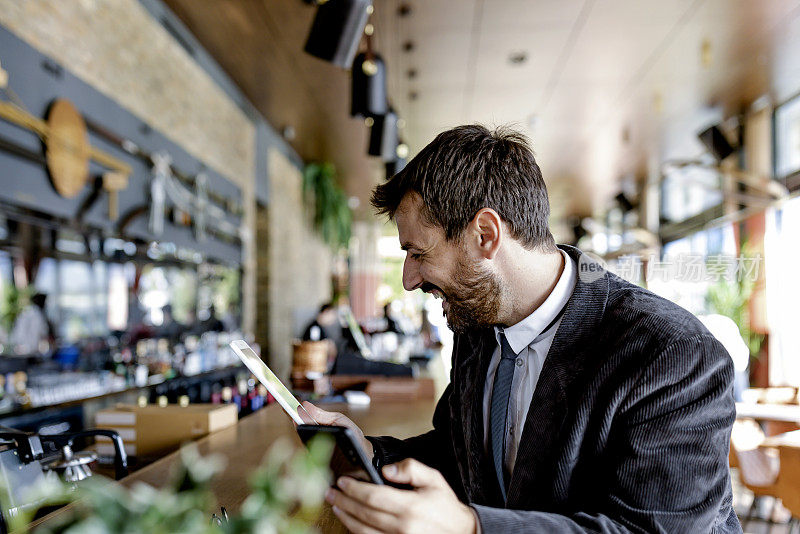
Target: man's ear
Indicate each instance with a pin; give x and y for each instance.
(486, 232)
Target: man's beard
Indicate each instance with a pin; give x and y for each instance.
(474, 299)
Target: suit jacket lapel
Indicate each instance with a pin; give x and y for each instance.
(535, 462)
(480, 487)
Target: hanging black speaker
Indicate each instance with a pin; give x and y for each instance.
(715, 141)
(383, 137)
(369, 87)
(337, 29)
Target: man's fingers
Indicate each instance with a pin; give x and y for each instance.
(379, 497)
(353, 524)
(412, 472)
(365, 514)
(323, 417)
(305, 415)
(315, 412)
(338, 419)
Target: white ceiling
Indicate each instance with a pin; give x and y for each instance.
(608, 84)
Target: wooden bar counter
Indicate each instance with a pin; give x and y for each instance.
(244, 445)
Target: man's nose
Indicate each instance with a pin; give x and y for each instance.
(411, 276)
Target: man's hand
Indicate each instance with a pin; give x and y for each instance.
(338, 419)
(430, 507)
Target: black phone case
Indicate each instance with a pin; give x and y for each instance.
(347, 443)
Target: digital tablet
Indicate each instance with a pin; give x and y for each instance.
(348, 457)
(276, 388)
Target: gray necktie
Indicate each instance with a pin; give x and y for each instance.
(501, 391)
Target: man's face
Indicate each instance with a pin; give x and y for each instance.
(445, 269)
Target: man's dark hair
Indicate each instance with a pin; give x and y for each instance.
(469, 168)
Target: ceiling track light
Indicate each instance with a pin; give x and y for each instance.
(337, 29)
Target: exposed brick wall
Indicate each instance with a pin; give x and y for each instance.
(297, 264)
(117, 47)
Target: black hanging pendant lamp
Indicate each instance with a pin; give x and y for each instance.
(337, 29)
(383, 136)
(368, 92)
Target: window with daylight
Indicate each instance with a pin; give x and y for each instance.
(690, 266)
(688, 191)
(82, 299)
(783, 292)
(787, 138)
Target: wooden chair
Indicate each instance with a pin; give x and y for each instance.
(788, 482)
(758, 467)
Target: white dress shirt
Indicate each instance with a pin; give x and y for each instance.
(531, 345)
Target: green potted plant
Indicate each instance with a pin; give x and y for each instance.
(732, 299)
(331, 214)
(12, 303)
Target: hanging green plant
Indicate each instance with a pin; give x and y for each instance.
(331, 214)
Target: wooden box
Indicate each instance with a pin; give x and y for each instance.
(153, 430)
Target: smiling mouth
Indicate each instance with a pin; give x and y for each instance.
(435, 291)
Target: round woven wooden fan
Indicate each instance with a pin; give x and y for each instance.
(67, 149)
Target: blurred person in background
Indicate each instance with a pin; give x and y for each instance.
(170, 328)
(345, 356)
(230, 319)
(391, 324)
(137, 329)
(325, 325)
(211, 323)
(31, 329)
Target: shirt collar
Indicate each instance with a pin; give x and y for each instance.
(525, 332)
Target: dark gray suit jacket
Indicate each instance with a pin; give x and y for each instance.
(628, 429)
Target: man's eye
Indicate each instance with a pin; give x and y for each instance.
(416, 256)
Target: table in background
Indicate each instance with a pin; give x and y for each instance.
(776, 418)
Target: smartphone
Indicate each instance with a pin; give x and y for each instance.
(276, 388)
(349, 458)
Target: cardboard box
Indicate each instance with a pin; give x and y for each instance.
(152, 429)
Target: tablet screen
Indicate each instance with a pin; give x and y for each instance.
(276, 388)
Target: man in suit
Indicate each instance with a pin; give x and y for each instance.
(578, 402)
